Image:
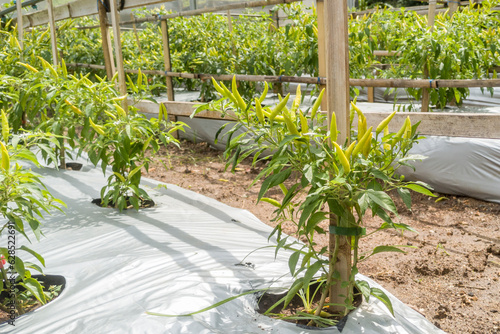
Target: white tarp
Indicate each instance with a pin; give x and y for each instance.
(177, 257)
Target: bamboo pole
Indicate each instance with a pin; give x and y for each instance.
(166, 59)
(20, 32)
(321, 48)
(135, 34)
(394, 83)
(430, 24)
(230, 28)
(337, 88)
(106, 41)
(236, 5)
(453, 6)
(53, 38)
(115, 21)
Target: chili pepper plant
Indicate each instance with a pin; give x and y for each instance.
(23, 202)
(322, 180)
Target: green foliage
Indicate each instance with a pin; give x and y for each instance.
(23, 202)
(320, 179)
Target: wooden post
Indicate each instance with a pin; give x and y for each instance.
(321, 48)
(371, 94)
(115, 21)
(53, 38)
(135, 33)
(337, 88)
(430, 24)
(453, 6)
(230, 28)
(106, 41)
(168, 67)
(20, 29)
(166, 59)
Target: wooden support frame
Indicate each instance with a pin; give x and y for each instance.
(53, 38)
(115, 20)
(106, 41)
(20, 29)
(321, 48)
(166, 59)
(337, 93)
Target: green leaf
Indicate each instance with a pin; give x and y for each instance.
(382, 199)
(134, 171)
(19, 267)
(296, 286)
(292, 262)
(311, 271)
(33, 286)
(405, 196)
(210, 307)
(381, 249)
(420, 189)
(119, 176)
(364, 288)
(274, 180)
(380, 295)
(35, 254)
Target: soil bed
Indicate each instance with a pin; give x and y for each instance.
(451, 277)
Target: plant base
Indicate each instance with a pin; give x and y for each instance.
(47, 281)
(145, 203)
(268, 299)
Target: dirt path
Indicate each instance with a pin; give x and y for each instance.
(452, 276)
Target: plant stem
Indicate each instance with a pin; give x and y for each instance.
(19, 308)
(326, 289)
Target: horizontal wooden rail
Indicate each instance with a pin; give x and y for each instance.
(393, 83)
(76, 9)
(467, 125)
(239, 5)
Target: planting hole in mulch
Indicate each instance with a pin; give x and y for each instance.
(268, 299)
(73, 166)
(53, 285)
(145, 203)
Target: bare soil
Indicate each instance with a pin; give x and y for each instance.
(451, 276)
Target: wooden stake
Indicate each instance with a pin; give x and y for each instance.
(115, 21)
(453, 6)
(166, 59)
(53, 38)
(135, 33)
(337, 88)
(430, 24)
(20, 32)
(321, 48)
(106, 41)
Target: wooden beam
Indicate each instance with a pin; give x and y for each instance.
(166, 59)
(337, 89)
(138, 42)
(106, 41)
(430, 24)
(453, 6)
(396, 83)
(115, 21)
(235, 5)
(20, 30)
(320, 5)
(468, 125)
(76, 9)
(53, 38)
(385, 53)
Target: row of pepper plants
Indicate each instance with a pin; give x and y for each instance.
(461, 46)
(50, 115)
